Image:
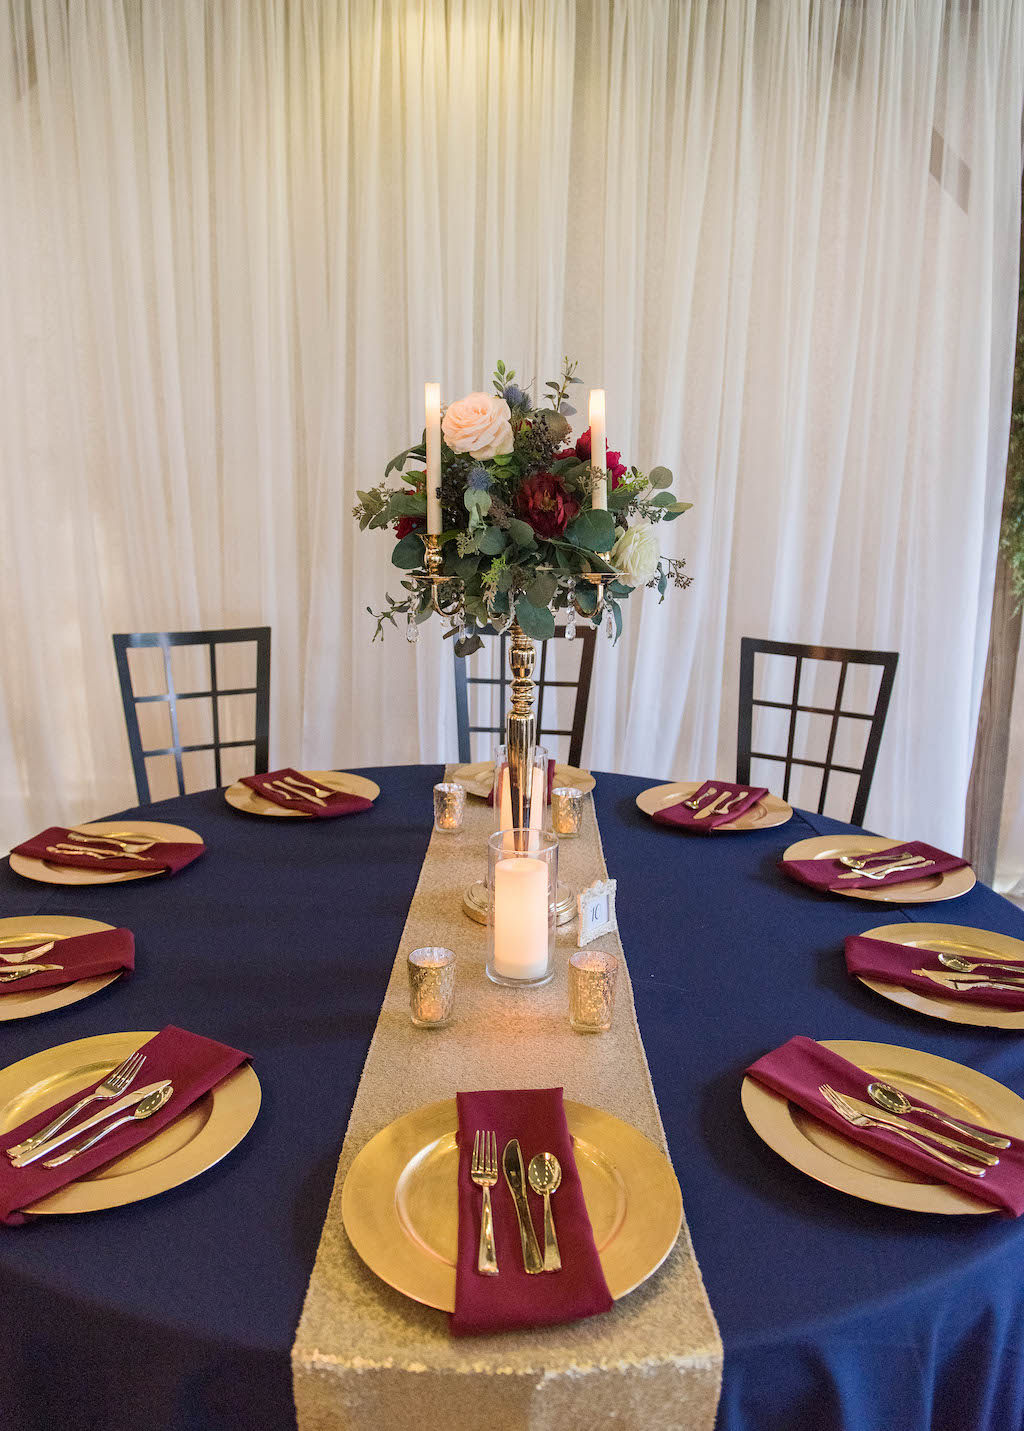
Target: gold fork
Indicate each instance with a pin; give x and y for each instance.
(484, 1172)
(864, 1120)
(131, 846)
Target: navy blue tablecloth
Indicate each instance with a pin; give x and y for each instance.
(178, 1313)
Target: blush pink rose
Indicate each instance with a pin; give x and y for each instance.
(480, 425)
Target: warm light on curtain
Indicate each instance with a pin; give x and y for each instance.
(236, 238)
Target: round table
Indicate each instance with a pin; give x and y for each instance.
(178, 1313)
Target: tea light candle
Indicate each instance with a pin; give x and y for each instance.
(431, 986)
(521, 918)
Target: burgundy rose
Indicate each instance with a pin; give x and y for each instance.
(544, 502)
(614, 464)
(405, 525)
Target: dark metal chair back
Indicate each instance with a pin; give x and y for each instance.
(749, 648)
(165, 640)
(586, 636)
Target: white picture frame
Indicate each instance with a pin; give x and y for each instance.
(596, 909)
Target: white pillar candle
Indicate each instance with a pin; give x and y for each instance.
(432, 403)
(538, 799)
(521, 918)
(598, 450)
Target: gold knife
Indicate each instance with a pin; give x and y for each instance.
(515, 1176)
(950, 980)
(706, 810)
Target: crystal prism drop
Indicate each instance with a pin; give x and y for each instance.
(412, 631)
(570, 625)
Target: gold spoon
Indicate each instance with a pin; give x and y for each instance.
(545, 1175)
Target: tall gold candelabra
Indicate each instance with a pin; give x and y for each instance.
(447, 598)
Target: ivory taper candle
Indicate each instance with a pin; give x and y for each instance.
(598, 450)
(432, 403)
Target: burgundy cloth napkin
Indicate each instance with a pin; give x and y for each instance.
(333, 805)
(194, 1064)
(82, 956)
(895, 964)
(825, 874)
(164, 856)
(515, 1299)
(799, 1067)
(683, 817)
(550, 785)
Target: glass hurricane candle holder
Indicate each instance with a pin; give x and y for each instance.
(503, 790)
(592, 976)
(522, 887)
(449, 807)
(431, 987)
(566, 812)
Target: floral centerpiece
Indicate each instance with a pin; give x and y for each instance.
(529, 527)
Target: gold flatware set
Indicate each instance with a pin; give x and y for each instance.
(545, 1175)
(866, 865)
(115, 1083)
(721, 803)
(294, 789)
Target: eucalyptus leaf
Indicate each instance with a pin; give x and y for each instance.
(463, 566)
(660, 477)
(617, 617)
(500, 603)
(492, 541)
(593, 530)
(408, 504)
(677, 509)
(619, 498)
(467, 645)
(586, 597)
(538, 622)
(543, 589)
(521, 533)
(408, 553)
(663, 499)
(618, 588)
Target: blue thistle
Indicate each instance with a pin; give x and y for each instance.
(479, 479)
(515, 397)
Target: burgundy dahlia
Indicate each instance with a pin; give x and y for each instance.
(545, 503)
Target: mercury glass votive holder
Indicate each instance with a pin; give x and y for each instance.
(566, 811)
(431, 987)
(449, 807)
(592, 978)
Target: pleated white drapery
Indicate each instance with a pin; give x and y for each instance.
(235, 239)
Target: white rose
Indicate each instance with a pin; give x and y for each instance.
(480, 425)
(635, 555)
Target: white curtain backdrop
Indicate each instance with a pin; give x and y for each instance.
(237, 235)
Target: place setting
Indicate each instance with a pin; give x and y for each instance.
(872, 867)
(48, 962)
(308, 794)
(108, 1120)
(946, 971)
(705, 807)
(106, 852)
(891, 1125)
(511, 1208)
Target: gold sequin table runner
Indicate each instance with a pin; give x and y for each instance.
(367, 1357)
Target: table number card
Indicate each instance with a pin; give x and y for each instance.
(596, 906)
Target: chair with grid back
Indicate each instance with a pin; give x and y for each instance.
(886, 660)
(165, 640)
(587, 638)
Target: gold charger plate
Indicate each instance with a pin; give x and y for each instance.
(928, 889)
(24, 1003)
(768, 812)
(193, 1142)
(50, 873)
(950, 939)
(478, 777)
(399, 1203)
(243, 797)
(822, 1153)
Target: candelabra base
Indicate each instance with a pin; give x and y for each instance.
(474, 903)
